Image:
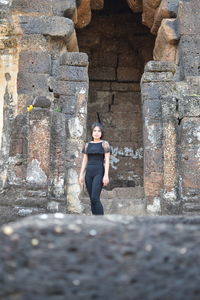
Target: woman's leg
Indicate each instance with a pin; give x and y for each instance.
(97, 184)
(88, 183)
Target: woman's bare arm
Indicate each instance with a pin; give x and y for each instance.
(106, 166)
(83, 167)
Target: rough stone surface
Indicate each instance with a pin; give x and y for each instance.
(53, 26)
(83, 13)
(97, 4)
(74, 59)
(41, 102)
(165, 47)
(135, 5)
(35, 6)
(57, 256)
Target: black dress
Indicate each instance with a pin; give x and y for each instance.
(95, 172)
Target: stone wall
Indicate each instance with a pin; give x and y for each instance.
(41, 149)
(171, 122)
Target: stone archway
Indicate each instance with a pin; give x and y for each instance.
(118, 47)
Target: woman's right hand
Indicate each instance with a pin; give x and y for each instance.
(81, 179)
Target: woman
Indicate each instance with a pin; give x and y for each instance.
(96, 155)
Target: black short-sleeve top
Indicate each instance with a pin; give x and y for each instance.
(96, 151)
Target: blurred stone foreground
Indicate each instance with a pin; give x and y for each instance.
(111, 257)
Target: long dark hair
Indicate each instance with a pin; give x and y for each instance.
(97, 124)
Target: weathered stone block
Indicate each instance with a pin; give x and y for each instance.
(65, 8)
(35, 6)
(52, 26)
(153, 184)
(34, 62)
(169, 107)
(122, 86)
(152, 109)
(190, 174)
(193, 83)
(150, 91)
(153, 161)
(38, 146)
(157, 66)
(152, 133)
(190, 132)
(68, 104)
(72, 73)
(83, 13)
(152, 3)
(70, 88)
(42, 102)
(189, 106)
(165, 47)
(188, 15)
(27, 82)
(74, 59)
(157, 76)
(58, 154)
(33, 42)
(16, 147)
(135, 5)
(167, 9)
(148, 14)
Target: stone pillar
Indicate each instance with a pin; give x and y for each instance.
(170, 193)
(38, 147)
(71, 84)
(155, 85)
(189, 154)
(8, 93)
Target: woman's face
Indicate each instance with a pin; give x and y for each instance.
(96, 133)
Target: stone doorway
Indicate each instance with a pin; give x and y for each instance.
(118, 46)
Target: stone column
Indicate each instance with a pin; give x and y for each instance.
(72, 86)
(170, 194)
(38, 147)
(155, 85)
(8, 93)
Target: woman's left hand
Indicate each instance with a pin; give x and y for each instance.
(105, 180)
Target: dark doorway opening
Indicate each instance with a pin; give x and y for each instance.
(118, 46)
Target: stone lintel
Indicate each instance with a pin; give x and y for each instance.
(160, 66)
(46, 25)
(74, 59)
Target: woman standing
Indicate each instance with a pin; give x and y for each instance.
(96, 155)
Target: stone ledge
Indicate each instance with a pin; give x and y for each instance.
(160, 66)
(157, 77)
(46, 25)
(74, 59)
(72, 254)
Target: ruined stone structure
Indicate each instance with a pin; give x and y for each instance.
(143, 80)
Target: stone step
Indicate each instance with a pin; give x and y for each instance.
(35, 193)
(191, 207)
(133, 207)
(121, 193)
(122, 201)
(23, 211)
(39, 202)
